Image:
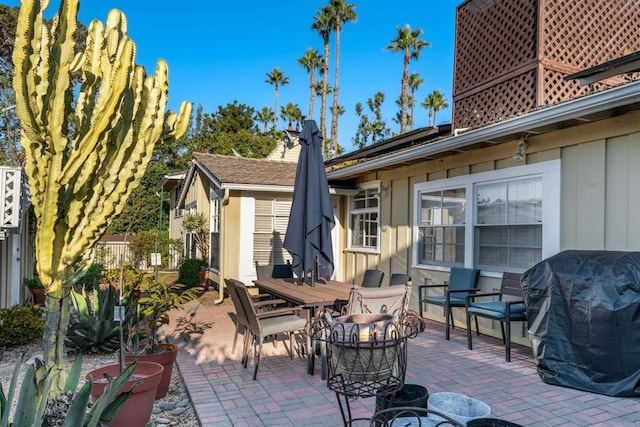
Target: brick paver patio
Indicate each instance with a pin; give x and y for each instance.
(223, 393)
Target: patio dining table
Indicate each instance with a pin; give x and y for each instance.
(325, 293)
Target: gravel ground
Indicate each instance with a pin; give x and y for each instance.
(165, 408)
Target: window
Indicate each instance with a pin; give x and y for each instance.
(364, 212)
(441, 227)
(214, 250)
(503, 220)
(271, 219)
(508, 230)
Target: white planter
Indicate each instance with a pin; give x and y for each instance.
(458, 406)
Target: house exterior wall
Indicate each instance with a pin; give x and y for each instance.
(599, 199)
(197, 197)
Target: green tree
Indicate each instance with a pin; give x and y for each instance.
(341, 12)
(264, 116)
(379, 129)
(364, 127)
(86, 148)
(231, 128)
(312, 62)
(277, 79)
(290, 113)
(408, 42)
(434, 102)
(415, 81)
(322, 24)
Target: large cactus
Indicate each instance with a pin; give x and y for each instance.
(86, 147)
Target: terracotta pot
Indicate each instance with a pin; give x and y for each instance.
(38, 296)
(203, 278)
(136, 410)
(165, 355)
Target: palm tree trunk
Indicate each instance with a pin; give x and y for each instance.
(413, 106)
(275, 108)
(323, 101)
(404, 99)
(312, 93)
(334, 110)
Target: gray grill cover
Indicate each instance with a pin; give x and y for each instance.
(583, 311)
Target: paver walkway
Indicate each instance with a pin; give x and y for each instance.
(224, 394)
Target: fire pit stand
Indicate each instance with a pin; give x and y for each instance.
(366, 355)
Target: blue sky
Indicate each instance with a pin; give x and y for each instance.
(219, 52)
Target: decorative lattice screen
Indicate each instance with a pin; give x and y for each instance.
(492, 37)
(499, 58)
(10, 180)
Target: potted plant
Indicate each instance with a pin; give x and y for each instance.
(137, 384)
(37, 289)
(153, 301)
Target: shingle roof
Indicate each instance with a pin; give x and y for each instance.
(239, 170)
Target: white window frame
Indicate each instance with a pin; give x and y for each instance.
(214, 226)
(278, 204)
(372, 185)
(550, 172)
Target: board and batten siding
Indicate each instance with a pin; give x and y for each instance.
(600, 197)
(601, 194)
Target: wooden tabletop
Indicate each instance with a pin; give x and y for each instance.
(322, 294)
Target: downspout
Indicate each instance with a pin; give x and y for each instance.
(225, 202)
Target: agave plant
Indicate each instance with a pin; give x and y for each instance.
(33, 407)
(92, 328)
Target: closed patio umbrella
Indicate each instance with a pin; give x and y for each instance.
(308, 236)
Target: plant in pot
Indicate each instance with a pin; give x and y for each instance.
(37, 289)
(153, 301)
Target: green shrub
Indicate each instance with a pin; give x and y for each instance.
(20, 324)
(189, 271)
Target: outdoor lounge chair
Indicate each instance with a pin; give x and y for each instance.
(389, 299)
(503, 310)
(372, 279)
(462, 282)
(263, 324)
(399, 279)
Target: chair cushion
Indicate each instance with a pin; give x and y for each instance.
(497, 310)
(279, 324)
(440, 300)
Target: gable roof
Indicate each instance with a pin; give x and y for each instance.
(231, 172)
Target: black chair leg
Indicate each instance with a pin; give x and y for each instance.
(477, 329)
(502, 330)
(508, 341)
(469, 344)
(257, 360)
(447, 315)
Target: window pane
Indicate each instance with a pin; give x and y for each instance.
(491, 203)
(453, 206)
(441, 245)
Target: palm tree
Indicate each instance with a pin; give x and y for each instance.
(409, 42)
(341, 12)
(415, 81)
(434, 102)
(264, 116)
(312, 62)
(290, 113)
(277, 79)
(322, 24)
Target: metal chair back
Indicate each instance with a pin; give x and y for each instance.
(372, 279)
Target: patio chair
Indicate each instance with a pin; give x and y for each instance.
(411, 416)
(462, 282)
(276, 271)
(262, 325)
(241, 318)
(372, 279)
(389, 299)
(399, 279)
(503, 310)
